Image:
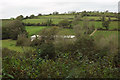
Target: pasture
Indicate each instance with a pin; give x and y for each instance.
(98, 24)
(98, 18)
(11, 44)
(34, 29)
(35, 21)
(105, 33)
(56, 17)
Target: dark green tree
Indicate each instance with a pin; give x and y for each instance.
(39, 14)
(26, 17)
(15, 28)
(32, 16)
(106, 24)
(55, 13)
(20, 17)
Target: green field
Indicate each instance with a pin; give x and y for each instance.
(66, 32)
(34, 29)
(105, 33)
(11, 44)
(35, 21)
(98, 24)
(57, 17)
(98, 18)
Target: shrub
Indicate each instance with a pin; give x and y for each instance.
(63, 23)
(106, 24)
(36, 42)
(47, 50)
(23, 40)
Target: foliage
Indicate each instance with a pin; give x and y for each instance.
(64, 66)
(13, 29)
(20, 17)
(23, 40)
(32, 16)
(5, 33)
(49, 22)
(56, 57)
(106, 24)
(55, 13)
(64, 23)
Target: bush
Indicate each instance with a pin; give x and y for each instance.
(106, 24)
(64, 23)
(23, 40)
(47, 50)
(36, 42)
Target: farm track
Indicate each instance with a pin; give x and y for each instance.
(93, 32)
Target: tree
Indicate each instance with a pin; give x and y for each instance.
(106, 24)
(47, 50)
(55, 13)
(64, 23)
(23, 40)
(71, 12)
(47, 47)
(84, 13)
(32, 16)
(76, 19)
(82, 30)
(39, 14)
(109, 19)
(26, 17)
(12, 18)
(103, 18)
(48, 34)
(49, 22)
(15, 28)
(20, 17)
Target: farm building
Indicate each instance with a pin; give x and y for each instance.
(39, 37)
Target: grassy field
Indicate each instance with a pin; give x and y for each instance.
(34, 29)
(66, 32)
(98, 18)
(57, 17)
(105, 33)
(35, 21)
(11, 44)
(98, 24)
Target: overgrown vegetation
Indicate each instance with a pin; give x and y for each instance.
(51, 55)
